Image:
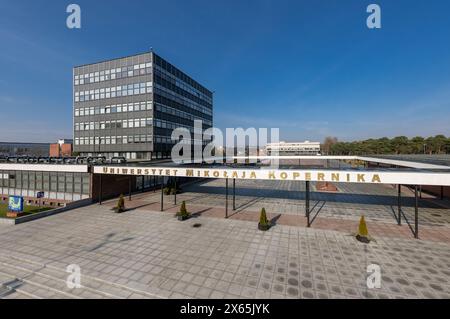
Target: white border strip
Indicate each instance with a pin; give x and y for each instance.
(338, 176)
(45, 167)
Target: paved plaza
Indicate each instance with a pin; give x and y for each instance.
(144, 253)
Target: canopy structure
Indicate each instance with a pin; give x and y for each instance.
(397, 172)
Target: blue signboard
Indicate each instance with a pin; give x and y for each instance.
(15, 203)
(40, 195)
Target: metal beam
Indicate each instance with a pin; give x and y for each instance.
(234, 194)
(416, 213)
(226, 198)
(399, 205)
(307, 212)
(101, 191)
(162, 195)
(129, 188)
(175, 190)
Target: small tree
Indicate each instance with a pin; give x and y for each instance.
(363, 233)
(120, 204)
(183, 213)
(263, 221)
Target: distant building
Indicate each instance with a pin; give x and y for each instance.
(24, 149)
(62, 148)
(293, 149)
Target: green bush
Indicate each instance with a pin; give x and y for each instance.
(120, 207)
(263, 221)
(183, 211)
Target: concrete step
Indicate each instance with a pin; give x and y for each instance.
(54, 279)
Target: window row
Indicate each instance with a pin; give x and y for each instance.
(119, 108)
(47, 181)
(173, 70)
(113, 74)
(181, 84)
(172, 111)
(116, 91)
(180, 99)
(106, 125)
(108, 140)
(171, 125)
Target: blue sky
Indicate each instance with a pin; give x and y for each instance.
(311, 68)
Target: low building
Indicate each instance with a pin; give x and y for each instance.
(293, 148)
(62, 148)
(24, 149)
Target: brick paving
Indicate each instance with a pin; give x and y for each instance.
(284, 202)
(144, 253)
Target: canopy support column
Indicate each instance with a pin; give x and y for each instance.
(234, 194)
(307, 212)
(399, 205)
(129, 187)
(416, 213)
(162, 195)
(226, 198)
(175, 190)
(101, 191)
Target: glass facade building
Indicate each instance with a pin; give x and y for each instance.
(130, 106)
(60, 186)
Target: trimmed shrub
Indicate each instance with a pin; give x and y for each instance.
(120, 207)
(183, 213)
(264, 223)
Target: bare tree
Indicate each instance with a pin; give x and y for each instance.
(328, 143)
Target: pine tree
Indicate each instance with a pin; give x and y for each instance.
(263, 218)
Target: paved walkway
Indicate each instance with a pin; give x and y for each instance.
(144, 253)
(285, 204)
(141, 254)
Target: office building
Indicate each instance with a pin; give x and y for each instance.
(129, 107)
(293, 148)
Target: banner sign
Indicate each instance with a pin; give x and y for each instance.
(40, 195)
(339, 176)
(15, 204)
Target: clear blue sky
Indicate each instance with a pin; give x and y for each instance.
(311, 68)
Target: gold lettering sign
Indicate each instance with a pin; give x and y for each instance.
(299, 175)
(376, 178)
